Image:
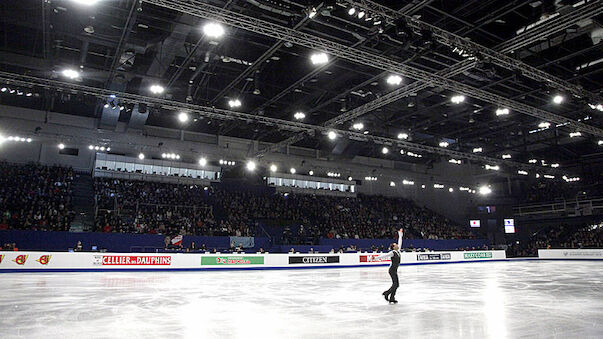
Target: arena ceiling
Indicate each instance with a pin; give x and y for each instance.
(510, 57)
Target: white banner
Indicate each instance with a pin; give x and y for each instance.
(570, 254)
(74, 261)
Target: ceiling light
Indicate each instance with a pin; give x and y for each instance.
(575, 134)
(444, 144)
(312, 13)
(493, 168)
(319, 58)
(455, 161)
(213, 30)
(485, 190)
(183, 117)
(402, 135)
(361, 14)
(202, 161)
(438, 186)
(522, 172)
(558, 99)
(451, 190)
(61, 146)
(392, 184)
(311, 173)
(350, 178)
(85, 2)
(555, 165)
(600, 142)
(457, 99)
(351, 11)
(140, 156)
(532, 161)
(544, 124)
(299, 115)
(234, 103)
(394, 80)
(292, 170)
(506, 156)
(384, 150)
(250, 166)
(478, 150)
(157, 89)
(71, 73)
(332, 135)
(502, 111)
(358, 126)
(273, 168)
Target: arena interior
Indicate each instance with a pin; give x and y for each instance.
(260, 168)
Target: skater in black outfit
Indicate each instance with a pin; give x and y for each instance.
(395, 256)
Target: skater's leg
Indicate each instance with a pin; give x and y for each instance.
(395, 285)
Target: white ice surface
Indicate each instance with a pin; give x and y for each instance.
(551, 299)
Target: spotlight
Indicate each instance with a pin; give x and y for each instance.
(213, 30)
(311, 173)
(457, 99)
(485, 190)
(394, 80)
(358, 126)
(350, 178)
(3, 89)
(478, 150)
(157, 89)
(233, 103)
(140, 156)
(71, 73)
(451, 190)
(444, 144)
(202, 161)
(319, 58)
(61, 146)
(28, 140)
(361, 14)
(502, 111)
(384, 150)
(250, 166)
(299, 115)
(544, 125)
(332, 135)
(292, 170)
(506, 156)
(558, 99)
(402, 135)
(273, 168)
(183, 117)
(522, 172)
(575, 134)
(86, 2)
(351, 11)
(392, 184)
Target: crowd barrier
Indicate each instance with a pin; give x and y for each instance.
(92, 261)
(572, 254)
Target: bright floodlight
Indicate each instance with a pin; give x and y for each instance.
(61, 146)
(213, 30)
(451, 190)
(384, 150)
(234, 103)
(183, 117)
(292, 170)
(273, 168)
(358, 126)
(558, 99)
(502, 111)
(332, 135)
(202, 161)
(71, 73)
(319, 58)
(485, 190)
(311, 173)
(361, 14)
(544, 125)
(457, 99)
(250, 166)
(444, 144)
(600, 142)
(394, 80)
(86, 2)
(351, 11)
(157, 89)
(299, 115)
(140, 156)
(478, 150)
(402, 135)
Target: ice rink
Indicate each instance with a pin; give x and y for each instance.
(543, 299)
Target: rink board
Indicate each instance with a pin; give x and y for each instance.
(85, 261)
(571, 254)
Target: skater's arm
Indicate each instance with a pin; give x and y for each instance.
(385, 256)
(400, 234)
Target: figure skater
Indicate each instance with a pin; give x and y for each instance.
(395, 254)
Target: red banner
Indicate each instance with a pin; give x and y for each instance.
(371, 258)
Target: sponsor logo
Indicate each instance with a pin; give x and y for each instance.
(478, 255)
(1, 257)
(21, 259)
(433, 256)
(372, 258)
(584, 253)
(44, 259)
(232, 260)
(323, 259)
(143, 260)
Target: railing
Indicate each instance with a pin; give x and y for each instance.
(572, 208)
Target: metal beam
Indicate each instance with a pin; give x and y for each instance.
(222, 114)
(204, 10)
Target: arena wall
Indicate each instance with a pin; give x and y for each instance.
(572, 254)
(94, 261)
